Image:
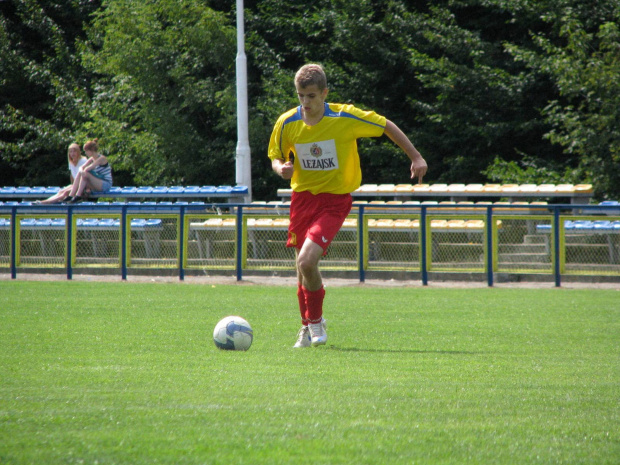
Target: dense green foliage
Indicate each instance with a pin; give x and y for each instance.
(127, 373)
(488, 90)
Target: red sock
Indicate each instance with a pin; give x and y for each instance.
(314, 304)
(303, 309)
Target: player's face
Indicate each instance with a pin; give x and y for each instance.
(311, 99)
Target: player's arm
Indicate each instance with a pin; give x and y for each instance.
(279, 164)
(282, 167)
(418, 164)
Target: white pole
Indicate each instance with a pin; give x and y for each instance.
(243, 155)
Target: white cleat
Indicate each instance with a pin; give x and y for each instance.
(303, 338)
(318, 333)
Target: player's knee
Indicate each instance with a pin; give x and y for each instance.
(306, 264)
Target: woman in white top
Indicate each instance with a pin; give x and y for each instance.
(76, 160)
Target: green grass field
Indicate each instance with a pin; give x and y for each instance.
(127, 373)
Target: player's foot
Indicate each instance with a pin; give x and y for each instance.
(318, 332)
(303, 338)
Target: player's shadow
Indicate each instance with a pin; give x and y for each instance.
(402, 351)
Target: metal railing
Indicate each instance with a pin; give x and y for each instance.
(554, 240)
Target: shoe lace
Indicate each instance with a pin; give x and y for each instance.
(303, 333)
(317, 329)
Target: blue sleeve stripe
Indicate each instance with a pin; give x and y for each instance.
(343, 114)
(290, 119)
(294, 117)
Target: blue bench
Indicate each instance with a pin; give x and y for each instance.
(609, 229)
(104, 207)
(585, 226)
(231, 193)
(86, 223)
(606, 210)
(149, 229)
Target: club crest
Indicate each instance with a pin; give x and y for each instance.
(316, 151)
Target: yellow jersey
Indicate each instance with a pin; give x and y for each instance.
(325, 154)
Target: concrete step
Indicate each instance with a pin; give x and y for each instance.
(535, 239)
(523, 258)
(507, 267)
(523, 248)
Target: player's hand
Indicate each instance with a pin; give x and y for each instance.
(418, 169)
(286, 170)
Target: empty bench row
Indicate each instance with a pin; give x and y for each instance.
(349, 224)
(578, 193)
(602, 226)
(15, 203)
(148, 231)
(82, 223)
(412, 206)
(129, 192)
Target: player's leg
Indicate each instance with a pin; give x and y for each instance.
(312, 287)
(331, 212)
(300, 220)
(308, 265)
(310, 291)
(303, 336)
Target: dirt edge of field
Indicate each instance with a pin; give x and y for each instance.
(292, 281)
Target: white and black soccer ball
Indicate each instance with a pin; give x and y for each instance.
(233, 333)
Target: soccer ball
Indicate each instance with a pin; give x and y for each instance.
(233, 333)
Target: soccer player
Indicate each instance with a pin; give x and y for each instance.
(315, 146)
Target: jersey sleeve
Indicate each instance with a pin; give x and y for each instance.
(279, 146)
(373, 124)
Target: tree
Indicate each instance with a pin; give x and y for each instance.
(585, 119)
(164, 98)
(42, 88)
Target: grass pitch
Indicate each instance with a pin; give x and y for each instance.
(124, 373)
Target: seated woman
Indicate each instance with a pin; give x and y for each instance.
(95, 174)
(76, 160)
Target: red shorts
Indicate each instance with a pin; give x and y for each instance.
(317, 217)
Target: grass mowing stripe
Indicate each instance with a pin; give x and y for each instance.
(116, 373)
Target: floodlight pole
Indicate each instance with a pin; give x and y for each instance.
(243, 155)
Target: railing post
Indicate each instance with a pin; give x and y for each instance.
(69, 254)
(489, 246)
(423, 246)
(13, 244)
(182, 243)
(360, 241)
(124, 243)
(239, 242)
(556, 246)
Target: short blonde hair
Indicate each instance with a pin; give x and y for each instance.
(311, 74)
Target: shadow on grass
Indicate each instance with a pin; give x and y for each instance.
(402, 351)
